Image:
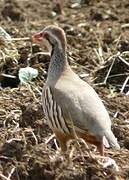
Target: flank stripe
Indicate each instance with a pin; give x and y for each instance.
(47, 105)
(54, 113)
(51, 108)
(64, 127)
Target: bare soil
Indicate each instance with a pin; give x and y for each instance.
(96, 31)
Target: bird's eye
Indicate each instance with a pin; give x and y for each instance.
(49, 38)
(45, 35)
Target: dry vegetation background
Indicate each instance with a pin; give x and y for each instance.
(98, 49)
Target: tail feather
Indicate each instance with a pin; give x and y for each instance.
(112, 140)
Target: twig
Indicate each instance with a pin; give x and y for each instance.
(24, 139)
(4, 177)
(36, 88)
(71, 152)
(125, 82)
(10, 174)
(109, 71)
(99, 84)
(39, 53)
(125, 25)
(57, 147)
(19, 39)
(13, 139)
(125, 52)
(123, 60)
(36, 140)
(8, 75)
(16, 127)
(6, 158)
(99, 55)
(116, 114)
(117, 75)
(3, 55)
(119, 85)
(127, 93)
(30, 130)
(117, 42)
(30, 89)
(50, 138)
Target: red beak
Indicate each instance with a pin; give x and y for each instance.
(37, 37)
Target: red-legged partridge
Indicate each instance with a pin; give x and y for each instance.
(69, 101)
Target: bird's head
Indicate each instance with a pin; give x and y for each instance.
(51, 36)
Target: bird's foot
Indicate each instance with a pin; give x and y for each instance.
(58, 153)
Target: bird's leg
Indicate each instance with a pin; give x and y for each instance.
(62, 139)
(100, 148)
(60, 153)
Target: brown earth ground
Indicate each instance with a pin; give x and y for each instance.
(96, 31)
